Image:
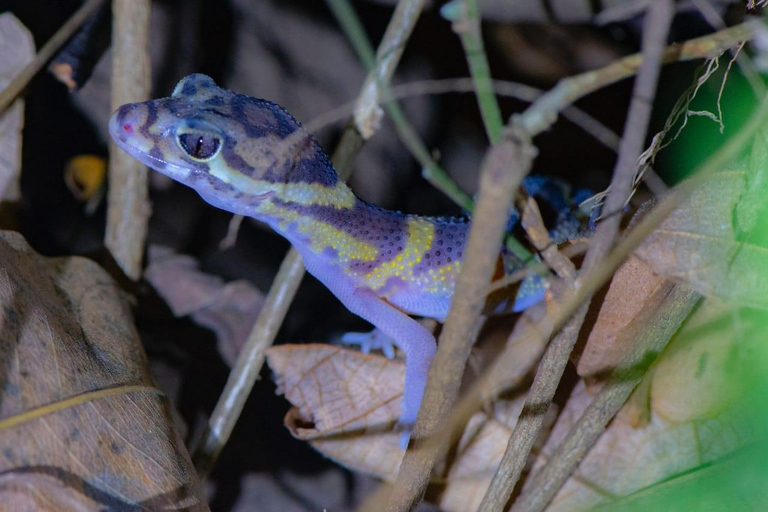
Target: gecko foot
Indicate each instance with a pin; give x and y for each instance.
(374, 340)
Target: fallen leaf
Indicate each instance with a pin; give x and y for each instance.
(699, 245)
(80, 419)
(17, 48)
(691, 421)
(480, 451)
(228, 309)
(633, 297)
(44, 489)
(626, 459)
(345, 403)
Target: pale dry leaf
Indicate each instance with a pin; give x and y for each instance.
(699, 245)
(36, 489)
(78, 404)
(17, 48)
(330, 489)
(480, 451)
(690, 423)
(626, 459)
(635, 293)
(345, 403)
(228, 309)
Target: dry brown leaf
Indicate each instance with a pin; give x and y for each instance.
(480, 450)
(38, 490)
(626, 459)
(228, 309)
(345, 403)
(17, 48)
(78, 410)
(699, 245)
(689, 422)
(633, 297)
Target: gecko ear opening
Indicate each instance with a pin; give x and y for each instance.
(191, 85)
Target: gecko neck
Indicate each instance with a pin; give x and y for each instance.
(330, 222)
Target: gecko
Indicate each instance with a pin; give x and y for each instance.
(251, 157)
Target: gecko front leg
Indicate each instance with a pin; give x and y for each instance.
(416, 342)
(411, 337)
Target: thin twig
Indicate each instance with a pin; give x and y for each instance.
(670, 314)
(655, 31)
(367, 112)
(528, 427)
(128, 205)
(347, 17)
(541, 116)
(465, 18)
(537, 232)
(251, 359)
(249, 362)
(504, 168)
(352, 26)
(516, 90)
(49, 49)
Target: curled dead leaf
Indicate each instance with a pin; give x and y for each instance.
(345, 403)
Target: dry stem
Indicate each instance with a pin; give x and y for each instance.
(128, 198)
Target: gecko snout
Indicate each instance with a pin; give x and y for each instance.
(124, 122)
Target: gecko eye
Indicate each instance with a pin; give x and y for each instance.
(200, 146)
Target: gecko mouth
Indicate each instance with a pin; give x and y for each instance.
(163, 166)
(122, 130)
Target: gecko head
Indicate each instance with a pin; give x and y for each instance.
(233, 149)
